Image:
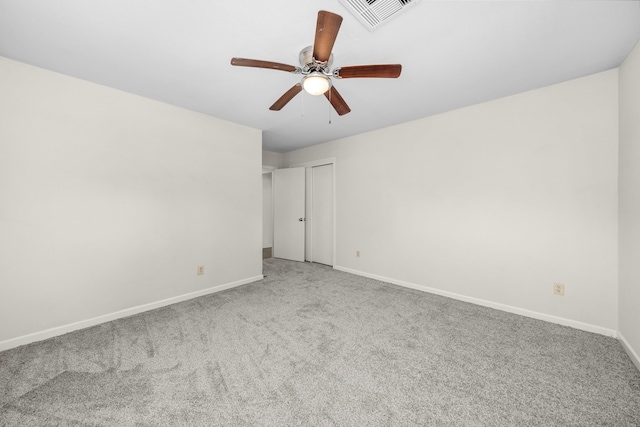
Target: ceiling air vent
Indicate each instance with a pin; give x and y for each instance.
(373, 13)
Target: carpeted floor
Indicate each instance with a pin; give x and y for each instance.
(310, 346)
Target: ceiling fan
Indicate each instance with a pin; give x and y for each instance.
(315, 63)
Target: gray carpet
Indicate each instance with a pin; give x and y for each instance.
(312, 346)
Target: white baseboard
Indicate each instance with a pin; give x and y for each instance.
(60, 330)
(503, 307)
(627, 347)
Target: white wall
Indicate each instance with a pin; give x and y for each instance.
(629, 188)
(491, 203)
(110, 201)
(270, 158)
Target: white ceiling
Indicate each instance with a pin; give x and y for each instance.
(454, 54)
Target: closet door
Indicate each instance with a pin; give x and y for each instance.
(322, 214)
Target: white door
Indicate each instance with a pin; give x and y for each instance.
(322, 214)
(288, 213)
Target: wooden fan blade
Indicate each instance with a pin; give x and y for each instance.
(390, 71)
(326, 32)
(288, 96)
(337, 101)
(243, 62)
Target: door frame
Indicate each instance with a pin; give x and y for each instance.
(309, 200)
(269, 169)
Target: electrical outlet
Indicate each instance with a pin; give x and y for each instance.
(200, 269)
(357, 254)
(558, 288)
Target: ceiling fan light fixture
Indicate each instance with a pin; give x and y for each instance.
(316, 83)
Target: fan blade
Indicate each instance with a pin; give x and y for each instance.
(337, 101)
(288, 96)
(326, 32)
(390, 71)
(243, 62)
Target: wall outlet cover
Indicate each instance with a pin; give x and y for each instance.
(558, 288)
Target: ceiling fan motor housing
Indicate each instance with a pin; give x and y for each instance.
(308, 63)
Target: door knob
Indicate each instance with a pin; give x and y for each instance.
(301, 219)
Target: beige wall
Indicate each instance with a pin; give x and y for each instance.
(110, 201)
(491, 204)
(629, 188)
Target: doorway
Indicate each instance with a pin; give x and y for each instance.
(267, 213)
(316, 243)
